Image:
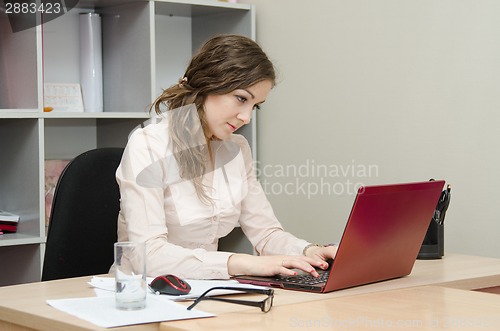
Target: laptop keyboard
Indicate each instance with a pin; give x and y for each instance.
(307, 279)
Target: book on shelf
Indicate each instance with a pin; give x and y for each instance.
(8, 222)
(53, 170)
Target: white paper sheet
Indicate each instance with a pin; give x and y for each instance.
(101, 311)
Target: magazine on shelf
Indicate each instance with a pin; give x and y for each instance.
(8, 221)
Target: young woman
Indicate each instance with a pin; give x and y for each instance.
(186, 179)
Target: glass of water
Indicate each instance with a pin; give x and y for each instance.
(130, 275)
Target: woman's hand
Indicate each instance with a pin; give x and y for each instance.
(322, 253)
(244, 264)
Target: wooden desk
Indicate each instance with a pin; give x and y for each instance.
(23, 307)
(417, 308)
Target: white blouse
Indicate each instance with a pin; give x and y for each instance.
(181, 232)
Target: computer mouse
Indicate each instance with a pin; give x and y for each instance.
(170, 284)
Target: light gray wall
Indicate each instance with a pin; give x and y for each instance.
(396, 90)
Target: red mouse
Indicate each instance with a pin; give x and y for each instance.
(170, 284)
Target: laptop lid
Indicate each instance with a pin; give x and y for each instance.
(384, 233)
(381, 240)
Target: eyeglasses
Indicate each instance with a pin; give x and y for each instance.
(265, 305)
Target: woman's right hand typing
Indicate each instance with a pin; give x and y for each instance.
(245, 264)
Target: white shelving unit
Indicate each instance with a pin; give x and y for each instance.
(146, 47)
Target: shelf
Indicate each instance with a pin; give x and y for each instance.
(14, 239)
(146, 46)
(98, 4)
(117, 115)
(197, 8)
(20, 114)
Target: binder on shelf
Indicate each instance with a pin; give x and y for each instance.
(8, 222)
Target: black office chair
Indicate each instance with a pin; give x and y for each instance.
(83, 220)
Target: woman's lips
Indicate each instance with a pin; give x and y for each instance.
(233, 128)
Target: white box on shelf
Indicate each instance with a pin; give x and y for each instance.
(62, 97)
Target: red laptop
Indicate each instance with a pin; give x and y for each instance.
(381, 240)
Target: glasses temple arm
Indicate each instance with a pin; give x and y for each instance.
(241, 302)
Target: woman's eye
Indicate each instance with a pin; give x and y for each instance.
(244, 99)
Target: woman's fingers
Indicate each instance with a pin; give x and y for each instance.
(302, 263)
(271, 265)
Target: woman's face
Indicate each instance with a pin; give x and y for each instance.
(226, 113)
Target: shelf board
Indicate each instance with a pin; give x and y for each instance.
(66, 115)
(175, 7)
(15, 239)
(102, 3)
(190, 8)
(96, 115)
(19, 113)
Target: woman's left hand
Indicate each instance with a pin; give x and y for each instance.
(321, 253)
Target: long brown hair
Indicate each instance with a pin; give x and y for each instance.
(223, 64)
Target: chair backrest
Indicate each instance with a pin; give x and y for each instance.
(84, 214)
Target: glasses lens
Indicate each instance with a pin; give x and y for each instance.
(268, 303)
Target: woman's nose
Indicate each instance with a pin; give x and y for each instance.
(245, 116)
